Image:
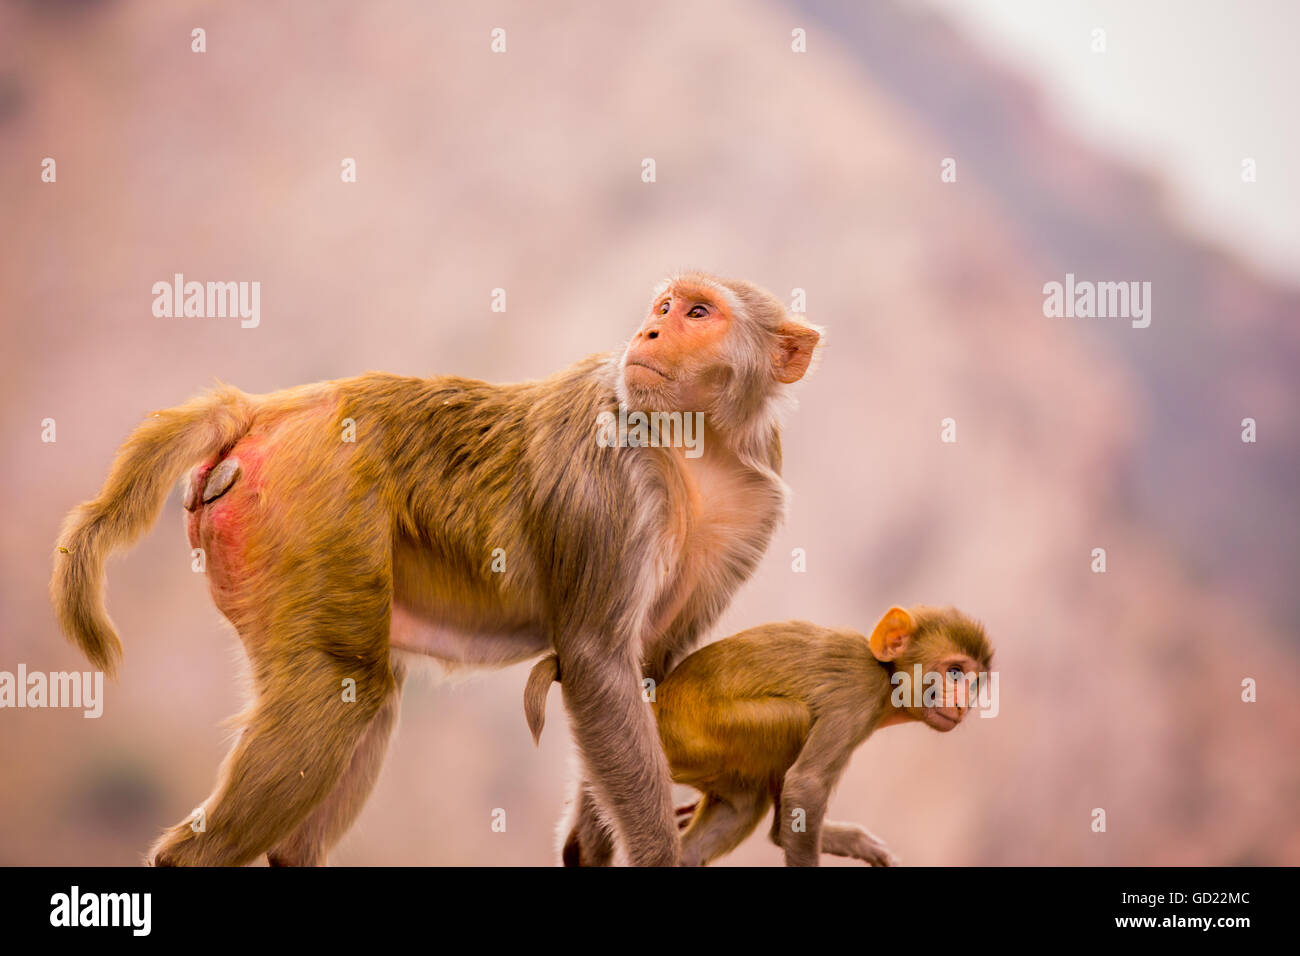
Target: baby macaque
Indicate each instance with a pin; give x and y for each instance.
(771, 716)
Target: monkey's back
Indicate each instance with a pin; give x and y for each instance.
(740, 709)
(450, 458)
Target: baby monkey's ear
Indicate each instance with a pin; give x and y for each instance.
(892, 634)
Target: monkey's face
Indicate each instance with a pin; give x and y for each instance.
(939, 656)
(953, 696)
(679, 358)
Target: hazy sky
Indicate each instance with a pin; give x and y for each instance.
(1186, 88)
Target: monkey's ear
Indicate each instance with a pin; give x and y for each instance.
(892, 634)
(795, 344)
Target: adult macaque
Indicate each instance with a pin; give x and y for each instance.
(772, 715)
(479, 524)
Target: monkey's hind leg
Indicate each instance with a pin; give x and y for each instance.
(318, 644)
(316, 836)
(849, 839)
(720, 824)
(590, 841)
(298, 741)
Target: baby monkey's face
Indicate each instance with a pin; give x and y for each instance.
(938, 657)
(956, 690)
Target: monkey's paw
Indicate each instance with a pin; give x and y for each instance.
(870, 849)
(879, 855)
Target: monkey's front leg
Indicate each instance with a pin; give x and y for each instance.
(803, 806)
(806, 790)
(589, 842)
(852, 840)
(615, 730)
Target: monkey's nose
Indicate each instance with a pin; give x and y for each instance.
(652, 335)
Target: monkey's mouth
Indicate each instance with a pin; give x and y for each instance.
(941, 721)
(637, 363)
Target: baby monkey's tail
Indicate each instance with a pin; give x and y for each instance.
(544, 673)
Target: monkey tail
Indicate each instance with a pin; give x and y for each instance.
(544, 673)
(146, 467)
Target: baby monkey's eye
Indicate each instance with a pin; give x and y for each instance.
(698, 312)
(956, 673)
(663, 307)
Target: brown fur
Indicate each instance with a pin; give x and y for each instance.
(771, 716)
(325, 554)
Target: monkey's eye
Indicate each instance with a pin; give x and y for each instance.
(663, 307)
(698, 312)
(956, 673)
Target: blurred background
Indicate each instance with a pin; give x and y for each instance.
(817, 171)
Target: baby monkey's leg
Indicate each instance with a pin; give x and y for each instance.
(849, 839)
(720, 823)
(685, 814)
